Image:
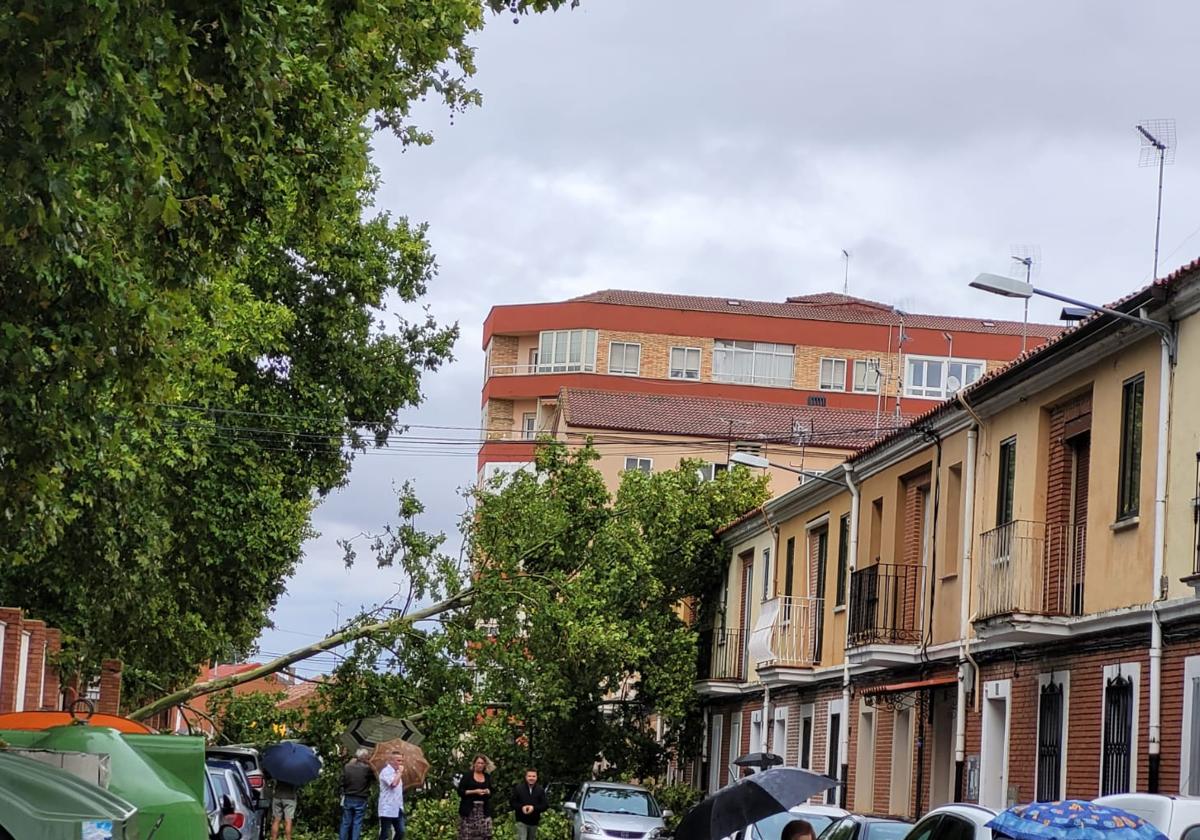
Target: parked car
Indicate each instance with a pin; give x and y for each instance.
(602, 810)
(819, 817)
(866, 827)
(251, 763)
(218, 808)
(1175, 816)
(954, 822)
(245, 816)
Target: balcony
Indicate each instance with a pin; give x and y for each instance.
(723, 659)
(885, 605)
(1033, 571)
(527, 370)
(796, 633)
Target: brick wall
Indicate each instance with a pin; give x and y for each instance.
(36, 665)
(9, 658)
(499, 419)
(42, 679)
(503, 351)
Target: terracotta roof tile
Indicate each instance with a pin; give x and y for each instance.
(709, 417)
(825, 306)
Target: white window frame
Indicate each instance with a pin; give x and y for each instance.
(22, 671)
(729, 354)
(779, 732)
(1191, 671)
(735, 738)
(684, 371)
(1125, 669)
(941, 392)
(529, 425)
(868, 367)
(624, 369)
(829, 380)
(1062, 678)
(766, 577)
(716, 743)
(551, 360)
(835, 707)
(709, 470)
(807, 712)
(757, 731)
(637, 463)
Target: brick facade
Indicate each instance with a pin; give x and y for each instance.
(42, 679)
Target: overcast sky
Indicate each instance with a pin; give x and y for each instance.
(735, 148)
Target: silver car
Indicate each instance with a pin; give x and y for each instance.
(245, 817)
(606, 810)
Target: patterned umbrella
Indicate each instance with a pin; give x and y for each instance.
(416, 767)
(1072, 820)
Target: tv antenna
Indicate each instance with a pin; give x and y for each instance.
(1030, 257)
(846, 281)
(1158, 147)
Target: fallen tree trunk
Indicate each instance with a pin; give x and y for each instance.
(459, 599)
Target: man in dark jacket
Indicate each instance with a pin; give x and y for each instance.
(357, 778)
(528, 800)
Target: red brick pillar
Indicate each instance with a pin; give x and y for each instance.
(110, 687)
(52, 696)
(10, 617)
(36, 664)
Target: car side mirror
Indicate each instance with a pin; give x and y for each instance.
(228, 832)
(668, 813)
(227, 805)
(570, 806)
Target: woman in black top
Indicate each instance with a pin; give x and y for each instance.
(475, 806)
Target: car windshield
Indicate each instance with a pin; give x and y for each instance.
(887, 830)
(771, 828)
(618, 801)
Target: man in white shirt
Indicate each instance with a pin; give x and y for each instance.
(391, 798)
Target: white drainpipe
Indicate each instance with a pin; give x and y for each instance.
(964, 620)
(852, 558)
(1158, 590)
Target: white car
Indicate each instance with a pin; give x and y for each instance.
(818, 816)
(954, 822)
(602, 810)
(1178, 817)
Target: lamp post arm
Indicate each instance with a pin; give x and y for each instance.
(1164, 330)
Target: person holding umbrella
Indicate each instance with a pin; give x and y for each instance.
(290, 766)
(283, 807)
(391, 797)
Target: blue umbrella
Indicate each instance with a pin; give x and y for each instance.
(291, 763)
(1072, 820)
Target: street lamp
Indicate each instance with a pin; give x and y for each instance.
(1010, 287)
(758, 462)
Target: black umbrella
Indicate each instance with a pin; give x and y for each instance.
(749, 800)
(761, 760)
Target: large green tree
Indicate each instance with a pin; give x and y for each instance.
(187, 223)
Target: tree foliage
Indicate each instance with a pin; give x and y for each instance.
(188, 223)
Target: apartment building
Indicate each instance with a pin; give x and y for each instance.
(804, 381)
(995, 603)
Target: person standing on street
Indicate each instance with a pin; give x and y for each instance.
(283, 807)
(475, 804)
(357, 777)
(528, 801)
(391, 798)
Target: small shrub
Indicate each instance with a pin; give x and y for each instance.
(678, 799)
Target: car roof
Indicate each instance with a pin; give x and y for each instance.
(831, 811)
(614, 786)
(977, 814)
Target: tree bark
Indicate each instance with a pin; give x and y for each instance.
(459, 599)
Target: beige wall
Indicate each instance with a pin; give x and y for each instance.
(1185, 444)
(1118, 561)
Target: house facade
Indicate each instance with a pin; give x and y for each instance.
(995, 602)
(751, 361)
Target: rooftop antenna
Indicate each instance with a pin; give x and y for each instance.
(1029, 256)
(1158, 146)
(846, 281)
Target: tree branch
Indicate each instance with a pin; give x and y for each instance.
(459, 599)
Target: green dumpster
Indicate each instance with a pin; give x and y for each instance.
(160, 775)
(40, 802)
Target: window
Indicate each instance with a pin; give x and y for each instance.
(843, 570)
(685, 363)
(711, 470)
(806, 737)
(939, 378)
(624, 358)
(529, 425)
(533, 358)
(714, 752)
(778, 743)
(954, 502)
(766, 590)
(639, 464)
(866, 376)
(566, 351)
(1117, 744)
(1008, 477)
(756, 731)
(735, 736)
(833, 756)
(753, 362)
(789, 574)
(1051, 737)
(833, 375)
(1129, 489)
